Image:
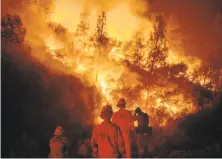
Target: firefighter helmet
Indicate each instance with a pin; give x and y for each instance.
(121, 103)
(106, 111)
(58, 131)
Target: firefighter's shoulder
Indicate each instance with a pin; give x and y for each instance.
(58, 139)
(54, 139)
(97, 127)
(128, 112)
(64, 139)
(115, 125)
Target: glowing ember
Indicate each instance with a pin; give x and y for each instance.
(53, 44)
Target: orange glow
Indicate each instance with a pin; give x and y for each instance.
(53, 44)
(122, 25)
(63, 11)
(104, 68)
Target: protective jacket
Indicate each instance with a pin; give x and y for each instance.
(107, 141)
(58, 147)
(142, 119)
(143, 134)
(124, 119)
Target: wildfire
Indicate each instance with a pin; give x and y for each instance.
(103, 67)
(81, 68)
(53, 44)
(117, 22)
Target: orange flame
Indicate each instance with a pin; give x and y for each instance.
(107, 72)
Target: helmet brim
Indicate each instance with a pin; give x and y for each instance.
(121, 105)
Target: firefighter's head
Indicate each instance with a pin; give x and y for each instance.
(106, 112)
(121, 103)
(138, 110)
(59, 131)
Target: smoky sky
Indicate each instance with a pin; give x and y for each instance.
(199, 30)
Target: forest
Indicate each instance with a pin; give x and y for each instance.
(66, 79)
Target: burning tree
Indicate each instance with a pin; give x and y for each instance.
(137, 48)
(83, 26)
(137, 68)
(82, 31)
(101, 40)
(147, 80)
(158, 49)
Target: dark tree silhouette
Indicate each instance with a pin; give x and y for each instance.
(138, 46)
(35, 99)
(12, 29)
(101, 35)
(101, 43)
(83, 26)
(82, 33)
(158, 50)
(176, 70)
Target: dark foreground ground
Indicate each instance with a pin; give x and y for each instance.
(33, 104)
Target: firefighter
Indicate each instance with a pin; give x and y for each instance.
(143, 133)
(58, 144)
(84, 146)
(142, 118)
(107, 140)
(124, 119)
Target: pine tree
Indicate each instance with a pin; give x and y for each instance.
(101, 37)
(82, 32)
(158, 50)
(83, 26)
(101, 42)
(138, 48)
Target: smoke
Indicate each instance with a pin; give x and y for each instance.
(36, 99)
(37, 13)
(194, 27)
